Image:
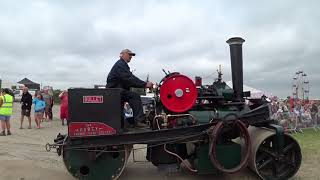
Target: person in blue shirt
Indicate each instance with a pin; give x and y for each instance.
(39, 106)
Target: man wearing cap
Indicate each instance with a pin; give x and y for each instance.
(120, 76)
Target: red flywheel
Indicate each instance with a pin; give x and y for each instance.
(178, 93)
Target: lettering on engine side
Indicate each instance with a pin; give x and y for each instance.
(83, 129)
(92, 99)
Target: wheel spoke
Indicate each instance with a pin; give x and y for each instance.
(282, 169)
(274, 169)
(289, 163)
(261, 157)
(266, 162)
(286, 149)
(267, 151)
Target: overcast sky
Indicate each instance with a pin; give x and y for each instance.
(75, 43)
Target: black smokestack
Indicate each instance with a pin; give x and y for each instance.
(235, 44)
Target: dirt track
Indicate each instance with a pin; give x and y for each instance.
(23, 157)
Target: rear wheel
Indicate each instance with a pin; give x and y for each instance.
(88, 164)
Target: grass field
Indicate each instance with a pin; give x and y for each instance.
(309, 141)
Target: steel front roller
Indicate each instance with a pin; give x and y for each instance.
(96, 163)
(274, 157)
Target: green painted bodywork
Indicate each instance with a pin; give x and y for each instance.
(223, 90)
(229, 155)
(205, 116)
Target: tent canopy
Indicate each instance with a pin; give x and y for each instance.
(254, 93)
(30, 84)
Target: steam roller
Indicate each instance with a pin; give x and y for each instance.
(204, 129)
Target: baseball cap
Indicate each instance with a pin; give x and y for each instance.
(128, 51)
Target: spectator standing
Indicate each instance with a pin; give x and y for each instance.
(6, 103)
(39, 107)
(26, 103)
(286, 113)
(49, 103)
(35, 96)
(314, 113)
(36, 93)
(64, 106)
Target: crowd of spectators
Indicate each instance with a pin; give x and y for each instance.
(295, 114)
(42, 103)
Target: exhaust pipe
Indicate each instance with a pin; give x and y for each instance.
(235, 44)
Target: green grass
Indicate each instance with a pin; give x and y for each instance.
(309, 142)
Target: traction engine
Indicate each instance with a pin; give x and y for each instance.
(205, 129)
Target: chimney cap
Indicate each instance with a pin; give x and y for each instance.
(235, 40)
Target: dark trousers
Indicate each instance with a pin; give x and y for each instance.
(135, 103)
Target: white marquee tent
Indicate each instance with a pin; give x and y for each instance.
(255, 93)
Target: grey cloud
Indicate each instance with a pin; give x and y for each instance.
(75, 43)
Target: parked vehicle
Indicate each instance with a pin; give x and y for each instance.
(18, 94)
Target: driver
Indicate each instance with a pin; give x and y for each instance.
(120, 76)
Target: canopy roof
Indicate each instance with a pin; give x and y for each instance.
(255, 93)
(30, 84)
(26, 81)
